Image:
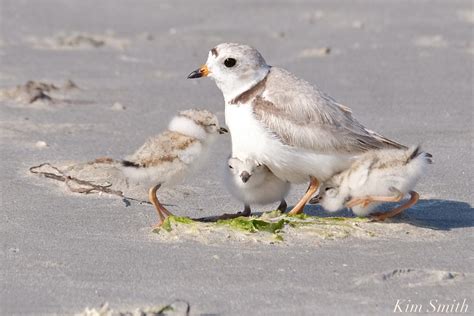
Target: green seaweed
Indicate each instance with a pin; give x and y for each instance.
(271, 214)
(167, 223)
(278, 237)
(253, 224)
(301, 216)
(274, 222)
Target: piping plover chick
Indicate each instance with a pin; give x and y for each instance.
(166, 158)
(292, 127)
(377, 176)
(253, 183)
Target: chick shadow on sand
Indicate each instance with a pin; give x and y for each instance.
(433, 214)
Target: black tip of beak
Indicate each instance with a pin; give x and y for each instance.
(195, 74)
(223, 130)
(245, 176)
(315, 200)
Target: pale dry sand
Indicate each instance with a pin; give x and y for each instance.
(404, 67)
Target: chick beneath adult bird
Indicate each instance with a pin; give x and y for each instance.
(377, 176)
(253, 183)
(282, 121)
(168, 157)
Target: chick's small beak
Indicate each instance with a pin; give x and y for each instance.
(198, 73)
(245, 176)
(223, 130)
(315, 200)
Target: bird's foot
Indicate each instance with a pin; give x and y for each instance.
(381, 216)
(299, 207)
(158, 225)
(233, 215)
(365, 201)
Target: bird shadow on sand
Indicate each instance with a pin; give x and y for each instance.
(433, 214)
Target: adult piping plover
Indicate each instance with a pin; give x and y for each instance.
(282, 121)
(253, 183)
(166, 159)
(378, 176)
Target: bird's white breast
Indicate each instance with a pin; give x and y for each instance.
(247, 134)
(251, 139)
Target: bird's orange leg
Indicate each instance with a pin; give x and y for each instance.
(163, 213)
(313, 187)
(412, 201)
(371, 198)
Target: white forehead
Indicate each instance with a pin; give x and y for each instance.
(238, 51)
(245, 165)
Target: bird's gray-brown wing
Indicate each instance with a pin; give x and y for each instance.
(302, 116)
(160, 149)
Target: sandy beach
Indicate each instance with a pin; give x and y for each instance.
(107, 75)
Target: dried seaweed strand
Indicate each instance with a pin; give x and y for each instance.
(68, 179)
(92, 187)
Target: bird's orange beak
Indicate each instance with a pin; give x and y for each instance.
(198, 73)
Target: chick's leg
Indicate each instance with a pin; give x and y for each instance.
(247, 211)
(414, 197)
(282, 207)
(163, 213)
(313, 187)
(373, 198)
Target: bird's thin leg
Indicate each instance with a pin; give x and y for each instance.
(414, 197)
(282, 207)
(163, 213)
(372, 198)
(313, 187)
(247, 211)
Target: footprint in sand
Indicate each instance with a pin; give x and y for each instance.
(38, 94)
(412, 277)
(79, 41)
(436, 41)
(466, 16)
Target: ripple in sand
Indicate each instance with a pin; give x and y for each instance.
(78, 41)
(40, 94)
(431, 41)
(412, 277)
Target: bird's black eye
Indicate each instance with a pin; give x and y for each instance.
(231, 167)
(230, 62)
(328, 188)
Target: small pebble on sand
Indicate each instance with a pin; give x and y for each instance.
(315, 52)
(118, 107)
(41, 144)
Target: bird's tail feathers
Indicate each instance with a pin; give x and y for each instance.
(415, 152)
(386, 141)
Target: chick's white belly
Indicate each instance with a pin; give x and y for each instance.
(169, 173)
(262, 193)
(382, 184)
(251, 139)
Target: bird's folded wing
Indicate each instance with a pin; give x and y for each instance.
(302, 116)
(161, 149)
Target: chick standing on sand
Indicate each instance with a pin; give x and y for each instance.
(377, 176)
(166, 159)
(253, 183)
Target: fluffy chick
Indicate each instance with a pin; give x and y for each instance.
(377, 176)
(168, 157)
(253, 183)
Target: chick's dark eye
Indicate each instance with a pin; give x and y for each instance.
(231, 167)
(230, 62)
(328, 188)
